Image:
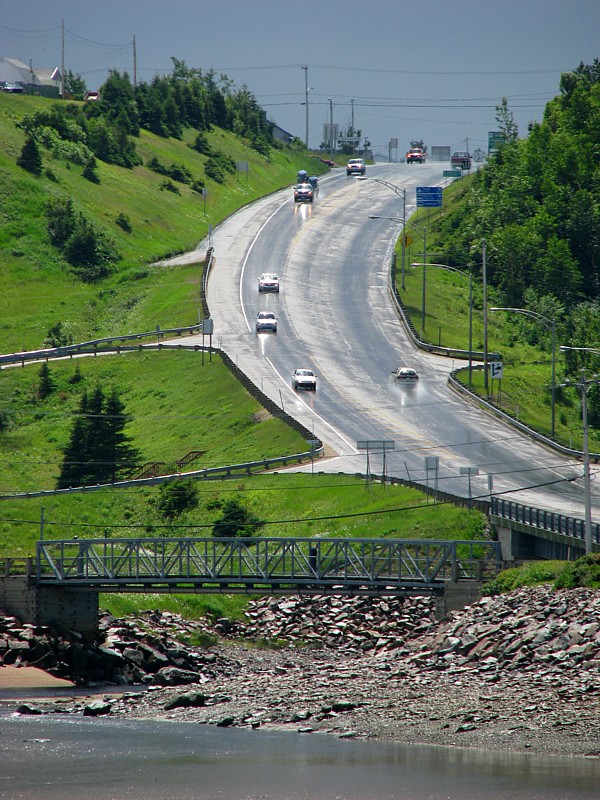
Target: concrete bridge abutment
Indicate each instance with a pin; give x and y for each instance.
(64, 609)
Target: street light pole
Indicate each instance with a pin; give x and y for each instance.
(331, 129)
(404, 222)
(552, 324)
(468, 275)
(401, 192)
(485, 319)
(586, 452)
(424, 278)
(305, 68)
(586, 468)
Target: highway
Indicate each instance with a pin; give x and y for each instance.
(336, 317)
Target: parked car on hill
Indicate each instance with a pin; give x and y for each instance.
(13, 88)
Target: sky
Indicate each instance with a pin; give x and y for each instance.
(430, 69)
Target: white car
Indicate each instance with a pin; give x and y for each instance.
(266, 321)
(304, 379)
(356, 166)
(406, 374)
(268, 282)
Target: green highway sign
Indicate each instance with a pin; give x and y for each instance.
(452, 173)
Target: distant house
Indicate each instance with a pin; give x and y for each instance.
(49, 76)
(39, 81)
(281, 134)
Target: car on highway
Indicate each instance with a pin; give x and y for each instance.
(266, 321)
(303, 193)
(356, 166)
(304, 379)
(406, 374)
(461, 160)
(268, 282)
(416, 155)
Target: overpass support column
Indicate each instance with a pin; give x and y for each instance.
(54, 606)
(508, 542)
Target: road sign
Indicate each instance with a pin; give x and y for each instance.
(495, 141)
(452, 173)
(429, 196)
(375, 444)
(496, 370)
(408, 240)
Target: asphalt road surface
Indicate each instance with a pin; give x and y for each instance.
(335, 316)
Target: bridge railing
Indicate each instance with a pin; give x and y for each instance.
(111, 564)
(542, 519)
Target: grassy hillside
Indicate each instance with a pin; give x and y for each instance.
(36, 285)
(174, 403)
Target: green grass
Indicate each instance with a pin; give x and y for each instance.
(290, 504)
(584, 572)
(176, 405)
(36, 286)
(525, 389)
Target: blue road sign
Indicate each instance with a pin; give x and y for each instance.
(430, 196)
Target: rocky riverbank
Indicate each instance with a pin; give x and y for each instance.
(518, 672)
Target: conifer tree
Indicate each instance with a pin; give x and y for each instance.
(46, 384)
(99, 450)
(30, 158)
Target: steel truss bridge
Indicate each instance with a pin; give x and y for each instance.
(265, 565)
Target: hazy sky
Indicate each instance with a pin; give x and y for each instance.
(429, 69)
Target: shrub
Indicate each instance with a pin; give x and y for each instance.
(176, 497)
(236, 520)
(90, 171)
(169, 186)
(124, 222)
(201, 145)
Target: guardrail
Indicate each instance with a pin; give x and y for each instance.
(449, 352)
(543, 520)
(95, 347)
(227, 471)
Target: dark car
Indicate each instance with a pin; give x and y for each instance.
(13, 88)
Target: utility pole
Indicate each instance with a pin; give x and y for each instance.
(485, 316)
(331, 129)
(62, 62)
(305, 68)
(134, 63)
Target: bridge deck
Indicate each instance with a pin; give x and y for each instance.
(258, 565)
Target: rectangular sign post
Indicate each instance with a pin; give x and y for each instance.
(429, 196)
(375, 445)
(452, 173)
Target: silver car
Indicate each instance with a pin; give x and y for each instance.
(304, 379)
(266, 321)
(268, 282)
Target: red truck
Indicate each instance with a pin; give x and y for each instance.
(415, 156)
(461, 160)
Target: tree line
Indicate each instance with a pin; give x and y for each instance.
(537, 204)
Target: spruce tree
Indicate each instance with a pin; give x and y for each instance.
(46, 385)
(99, 450)
(30, 158)
(74, 454)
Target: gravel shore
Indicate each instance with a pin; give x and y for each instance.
(520, 672)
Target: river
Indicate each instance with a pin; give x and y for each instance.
(79, 758)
